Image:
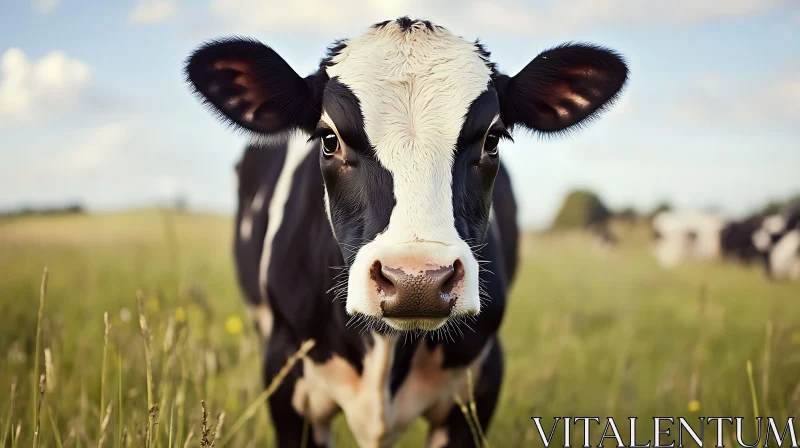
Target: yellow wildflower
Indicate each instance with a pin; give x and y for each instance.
(233, 325)
(152, 305)
(694, 405)
(180, 315)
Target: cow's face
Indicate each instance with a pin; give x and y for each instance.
(407, 119)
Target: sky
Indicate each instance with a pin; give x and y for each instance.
(94, 108)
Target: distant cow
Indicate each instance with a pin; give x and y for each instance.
(686, 235)
(778, 241)
(384, 163)
(737, 243)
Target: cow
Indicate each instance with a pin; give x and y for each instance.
(677, 236)
(736, 240)
(376, 218)
(778, 241)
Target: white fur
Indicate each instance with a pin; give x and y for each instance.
(375, 418)
(246, 225)
(414, 88)
(774, 224)
(785, 257)
(762, 240)
(673, 246)
(297, 150)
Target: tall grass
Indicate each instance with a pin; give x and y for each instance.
(582, 335)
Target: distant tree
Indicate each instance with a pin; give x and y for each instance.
(180, 204)
(771, 208)
(34, 211)
(628, 214)
(774, 206)
(663, 206)
(581, 208)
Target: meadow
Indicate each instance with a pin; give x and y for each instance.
(587, 333)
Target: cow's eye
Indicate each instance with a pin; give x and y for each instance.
(330, 144)
(490, 144)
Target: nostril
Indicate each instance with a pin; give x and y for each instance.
(454, 278)
(385, 284)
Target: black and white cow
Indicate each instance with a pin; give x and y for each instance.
(778, 241)
(384, 163)
(736, 240)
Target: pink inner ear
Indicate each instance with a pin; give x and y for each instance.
(254, 94)
(587, 71)
(560, 91)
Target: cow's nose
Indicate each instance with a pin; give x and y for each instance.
(425, 293)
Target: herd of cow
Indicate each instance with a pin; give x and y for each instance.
(772, 241)
(375, 217)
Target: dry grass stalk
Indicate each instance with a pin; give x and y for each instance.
(104, 426)
(251, 410)
(188, 439)
(168, 355)
(753, 392)
(151, 406)
(205, 430)
(10, 417)
(106, 328)
(120, 429)
(474, 409)
(152, 416)
(49, 369)
(16, 435)
(56, 435)
(218, 429)
(42, 387)
(765, 365)
(35, 376)
(464, 410)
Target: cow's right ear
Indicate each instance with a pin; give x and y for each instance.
(251, 86)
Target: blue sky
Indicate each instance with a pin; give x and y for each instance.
(93, 107)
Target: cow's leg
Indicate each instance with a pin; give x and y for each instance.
(455, 431)
(288, 423)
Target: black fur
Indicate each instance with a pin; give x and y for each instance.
(232, 76)
(258, 170)
(531, 97)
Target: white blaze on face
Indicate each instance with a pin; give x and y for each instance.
(415, 88)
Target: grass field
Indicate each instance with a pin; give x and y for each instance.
(585, 334)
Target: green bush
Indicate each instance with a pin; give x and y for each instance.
(581, 209)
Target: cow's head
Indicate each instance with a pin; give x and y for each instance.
(407, 119)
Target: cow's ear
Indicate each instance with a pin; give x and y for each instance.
(561, 87)
(249, 84)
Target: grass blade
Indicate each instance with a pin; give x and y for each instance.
(8, 425)
(35, 376)
(56, 435)
(106, 328)
(37, 428)
(119, 397)
(273, 386)
(753, 392)
(148, 360)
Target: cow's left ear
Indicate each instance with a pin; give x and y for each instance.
(250, 85)
(561, 87)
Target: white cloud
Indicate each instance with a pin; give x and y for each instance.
(152, 11)
(498, 16)
(713, 99)
(166, 186)
(32, 90)
(89, 153)
(45, 6)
